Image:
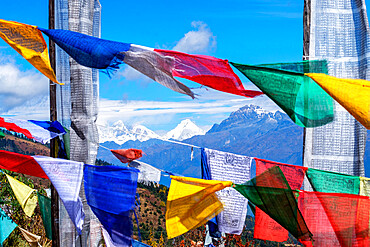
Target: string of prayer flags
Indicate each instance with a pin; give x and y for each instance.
(66, 177)
(21, 163)
(27, 40)
(266, 228)
(305, 102)
(31, 238)
(234, 168)
(24, 194)
(104, 183)
(191, 202)
(45, 208)
(332, 182)
(352, 94)
(127, 155)
(336, 219)
(7, 225)
(271, 193)
(40, 131)
(147, 172)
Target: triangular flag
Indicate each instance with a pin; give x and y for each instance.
(27, 40)
(45, 208)
(31, 238)
(24, 195)
(66, 177)
(352, 94)
(7, 225)
(127, 155)
(191, 202)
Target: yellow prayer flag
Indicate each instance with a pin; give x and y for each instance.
(191, 202)
(364, 186)
(352, 94)
(24, 195)
(27, 40)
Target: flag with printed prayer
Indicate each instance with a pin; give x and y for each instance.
(305, 102)
(27, 40)
(24, 194)
(352, 94)
(127, 155)
(332, 182)
(364, 186)
(20, 163)
(45, 208)
(191, 202)
(110, 192)
(160, 65)
(40, 131)
(266, 228)
(234, 168)
(147, 172)
(7, 225)
(271, 193)
(66, 177)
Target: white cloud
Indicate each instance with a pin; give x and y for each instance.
(199, 40)
(18, 87)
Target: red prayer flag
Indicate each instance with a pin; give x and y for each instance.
(20, 163)
(266, 228)
(209, 71)
(127, 155)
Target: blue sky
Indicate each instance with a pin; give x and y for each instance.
(253, 31)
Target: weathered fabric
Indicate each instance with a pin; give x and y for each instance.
(332, 182)
(7, 225)
(40, 131)
(24, 194)
(191, 202)
(127, 155)
(364, 186)
(28, 42)
(21, 163)
(271, 193)
(352, 94)
(266, 228)
(305, 102)
(338, 32)
(335, 219)
(147, 172)
(234, 168)
(45, 208)
(66, 177)
(102, 183)
(31, 238)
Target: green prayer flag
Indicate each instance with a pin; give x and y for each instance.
(332, 182)
(2, 134)
(45, 206)
(271, 193)
(305, 102)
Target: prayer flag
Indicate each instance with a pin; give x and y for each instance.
(191, 202)
(66, 177)
(364, 186)
(266, 228)
(332, 182)
(234, 168)
(271, 193)
(45, 208)
(147, 172)
(24, 194)
(127, 155)
(110, 192)
(7, 225)
(27, 40)
(40, 131)
(20, 163)
(31, 238)
(352, 94)
(2, 134)
(305, 102)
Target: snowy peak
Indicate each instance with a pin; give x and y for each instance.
(142, 133)
(184, 130)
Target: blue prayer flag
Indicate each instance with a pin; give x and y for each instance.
(6, 226)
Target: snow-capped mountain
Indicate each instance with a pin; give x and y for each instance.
(119, 133)
(184, 130)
